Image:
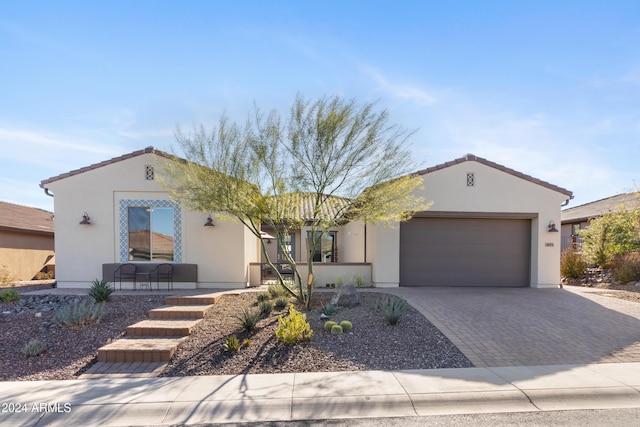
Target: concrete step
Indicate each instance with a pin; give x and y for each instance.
(179, 312)
(193, 300)
(123, 370)
(163, 327)
(139, 350)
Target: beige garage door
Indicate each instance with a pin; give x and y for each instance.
(465, 252)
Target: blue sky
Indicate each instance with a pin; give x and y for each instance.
(551, 89)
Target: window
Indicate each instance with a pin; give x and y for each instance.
(151, 234)
(289, 243)
(325, 246)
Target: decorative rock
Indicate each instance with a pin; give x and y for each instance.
(346, 296)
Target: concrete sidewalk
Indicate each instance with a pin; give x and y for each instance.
(318, 396)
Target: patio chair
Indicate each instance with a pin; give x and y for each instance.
(163, 272)
(125, 271)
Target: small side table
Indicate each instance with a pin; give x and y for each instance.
(144, 280)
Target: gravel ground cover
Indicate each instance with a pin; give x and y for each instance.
(413, 343)
(373, 344)
(70, 350)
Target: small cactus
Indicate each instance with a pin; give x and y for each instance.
(329, 324)
(346, 326)
(336, 330)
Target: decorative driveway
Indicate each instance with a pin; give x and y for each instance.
(527, 327)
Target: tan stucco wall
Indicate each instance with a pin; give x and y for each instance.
(494, 192)
(24, 254)
(222, 252)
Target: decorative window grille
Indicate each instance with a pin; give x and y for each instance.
(149, 175)
(471, 179)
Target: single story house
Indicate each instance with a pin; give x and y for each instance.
(26, 241)
(488, 226)
(578, 217)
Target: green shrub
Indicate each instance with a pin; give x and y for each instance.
(263, 296)
(6, 279)
(9, 295)
(627, 267)
(293, 328)
(572, 264)
(281, 302)
(233, 344)
(393, 308)
(328, 325)
(100, 290)
(248, 318)
(336, 330)
(80, 314)
(329, 309)
(265, 308)
(346, 326)
(615, 233)
(277, 290)
(35, 347)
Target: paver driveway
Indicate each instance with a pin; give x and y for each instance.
(526, 327)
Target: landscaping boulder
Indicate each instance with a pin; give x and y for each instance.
(346, 296)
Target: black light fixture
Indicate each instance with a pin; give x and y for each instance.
(85, 219)
(209, 222)
(552, 227)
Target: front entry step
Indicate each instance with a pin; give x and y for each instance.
(193, 300)
(162, 327)
(179, 312)
(139, 350)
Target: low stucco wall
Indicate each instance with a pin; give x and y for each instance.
(325, 273)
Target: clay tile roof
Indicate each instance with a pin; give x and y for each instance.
(601, 207)
(471, 157)
(26, 219)
(301, 206)
(105, 163)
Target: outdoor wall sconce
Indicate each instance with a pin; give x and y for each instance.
(85, 219)
(552, 227)
(267, 236)
(209, 222)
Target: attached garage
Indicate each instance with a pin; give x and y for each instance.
(465, 252)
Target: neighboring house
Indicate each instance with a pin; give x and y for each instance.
(26, 241)
(576, 218)
(488, 226)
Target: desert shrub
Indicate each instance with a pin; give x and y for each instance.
(346, 326)
(44, 275)
(572, 263)
(336, 330)
(281, 302)
(276, 290)
(233, 344)
(293, 328)
(329, 309)
(615, 233)
(9, 295)
(393, 308)
(80, 314)
(6, 279)
(627, 267)
(263, 296)
(248, 318)
(100, 290)
(265, 308)
(328, 325)
(34, 347)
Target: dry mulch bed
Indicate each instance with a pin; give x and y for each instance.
(413, 343)
(70, 350)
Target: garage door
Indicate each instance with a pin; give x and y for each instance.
(465, 252)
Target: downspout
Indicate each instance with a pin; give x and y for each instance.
(566, 202)
(46, 191)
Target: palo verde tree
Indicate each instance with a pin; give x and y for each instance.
(335, 152)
